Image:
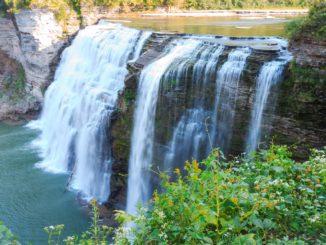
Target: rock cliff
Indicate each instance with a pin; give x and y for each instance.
(31, 40)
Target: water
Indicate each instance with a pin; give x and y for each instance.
(228, 26)
(269, 76)
(144, 122)
(30, 198)
(206, 124)
(79, 103)
(189, 139)
(190, 136)
(227, 84)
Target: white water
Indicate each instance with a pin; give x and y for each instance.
(269, 75)
(189, 138)
(144, 122)
(140, 44)
(79, 103)
(227, 84)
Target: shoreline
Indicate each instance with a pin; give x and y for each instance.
(214, 13)
(217, 13)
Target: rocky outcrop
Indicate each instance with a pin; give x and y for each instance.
(300, 116)
(34, 39)
(15, 103)
(309, 52)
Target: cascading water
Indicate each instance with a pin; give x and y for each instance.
(190, 138)
(269, 75)
(144, 121)
(227, 83)
(79, 103)
(140, 44)
(184, 91)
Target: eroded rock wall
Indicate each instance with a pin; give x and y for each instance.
(33, 39)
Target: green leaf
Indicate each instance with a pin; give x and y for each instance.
(208, 240)
(245, 240)
(258, 223)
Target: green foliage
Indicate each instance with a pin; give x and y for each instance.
(265, 198)
(308, 83)
(313, 26)
(54, 233)
(13, 87)
(129, 95)
(6, 237)
(12, 6)
(97, 234)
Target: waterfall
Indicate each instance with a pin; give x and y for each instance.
(227, 83)
(144, 121)
(140, 44)
(189, 138)
(269, 75)
(79, 103)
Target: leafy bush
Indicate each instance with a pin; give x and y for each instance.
(313, 26)
(6, 237)
(97, 234)
(266, 198)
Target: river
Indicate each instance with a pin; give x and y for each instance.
(251, 25)
(30, 198)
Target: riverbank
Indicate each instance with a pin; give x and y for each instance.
(218, 13)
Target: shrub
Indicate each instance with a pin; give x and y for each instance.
(6, 237)
(266, 198)
(313, 26)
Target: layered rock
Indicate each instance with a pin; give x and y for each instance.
(309, 52)
(300, 115)
(34, 39)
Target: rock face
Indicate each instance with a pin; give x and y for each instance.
(299, 119)
(41, 38)
(309, 53)
(34, 39)
(14, 101)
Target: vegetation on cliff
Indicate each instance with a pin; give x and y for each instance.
(263, 198)
(312, 26)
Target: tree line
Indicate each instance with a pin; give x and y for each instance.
(13, 5)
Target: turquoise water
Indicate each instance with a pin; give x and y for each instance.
(29, 197)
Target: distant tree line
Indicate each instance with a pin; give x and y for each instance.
(13, 5)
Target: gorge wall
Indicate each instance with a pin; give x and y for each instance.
(34, 40)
